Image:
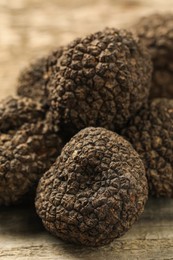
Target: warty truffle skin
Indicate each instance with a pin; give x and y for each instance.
(28, 147)
(15, 111)
(95, 190)
(151, 134)
(156, 32)
(101, 79)
(25, 155)
(32, 81)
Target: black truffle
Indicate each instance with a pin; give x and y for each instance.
(27, 150)
(151, 134)
(32, 81)
(156, 32)
(15, 111)
(95, 191)
(100, 80)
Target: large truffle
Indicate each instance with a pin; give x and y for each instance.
(94, 191)
(100, 80)
(32, 81)
(151, 134)
(27, 148)
(156, 32)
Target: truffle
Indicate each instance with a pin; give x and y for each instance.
(100, 80)
(156, 32)
(15, 111)
(25, 155)
(151, 134)
(27, 147)
(32, 81)
(95, 190)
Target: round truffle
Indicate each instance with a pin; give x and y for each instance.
(32, 81)
(100, 80)
(28, 147)
(156, 32)
(151, 134)
(15, 111)
(25, 155)
(95, 190)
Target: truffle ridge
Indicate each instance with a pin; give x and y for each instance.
(100, 80)
(156, 32)
(151, 134)
(95, 190)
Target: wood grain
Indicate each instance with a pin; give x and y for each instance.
(29, 29)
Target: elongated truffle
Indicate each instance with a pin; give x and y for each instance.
(95, 190)
(100, 80)
(151, 134)
(28, 147)
(156, 32)
(32, 81)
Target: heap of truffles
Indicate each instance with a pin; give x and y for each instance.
(156, 32)
(151, 134)
(27, 147)
(94, 191)
(98, 80)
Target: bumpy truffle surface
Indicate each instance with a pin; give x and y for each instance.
(156, 32)
(27, 147)
(101, 79)
(32, 81)
(25, 155)
(94, 191)
(151, 134)
(15, 111)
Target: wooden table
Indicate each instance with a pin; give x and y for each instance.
(29, 29)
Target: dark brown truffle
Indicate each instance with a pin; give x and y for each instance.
(25, 155)
(156, 32)
(151, 134)
(27, 147)
(33, 80)
(100, 79)
(94, 191)
(15, 111)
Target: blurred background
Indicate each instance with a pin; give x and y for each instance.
(30, 28)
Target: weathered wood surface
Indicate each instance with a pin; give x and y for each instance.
(29, 29)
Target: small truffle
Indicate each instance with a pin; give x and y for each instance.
(100, 79)
(32, 81)
(25, 155)
(95, 190)
(151, 134)
(156, 32)
(15, 111)
(27, 147)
